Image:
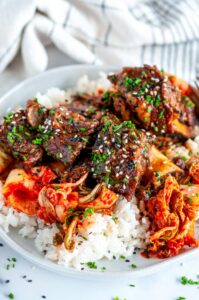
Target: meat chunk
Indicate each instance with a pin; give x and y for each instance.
(78, 171)
(121, 107)
(86, 105)
(73, 174)
(35, 113)
(65, 134)
(155, 100)
(17, 137)
(120, 155)
(59, 169)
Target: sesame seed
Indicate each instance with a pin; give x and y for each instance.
(117, 146)
(165, 78)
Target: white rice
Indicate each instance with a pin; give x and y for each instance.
(118, 235)
(105, 237)
(55, 96)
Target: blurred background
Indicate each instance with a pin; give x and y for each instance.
(40, 34)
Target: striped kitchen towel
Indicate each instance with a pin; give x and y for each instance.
(119, 32)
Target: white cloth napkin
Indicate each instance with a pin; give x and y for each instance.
(120, 32)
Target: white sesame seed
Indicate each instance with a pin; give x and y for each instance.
(155, 93)
(165, 78)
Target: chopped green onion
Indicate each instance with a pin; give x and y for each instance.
(11, 296)
(37, 141)
(186, 281)
(133, 266)
(91, 265)
(88, 212)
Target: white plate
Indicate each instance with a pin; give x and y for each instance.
(66, 77)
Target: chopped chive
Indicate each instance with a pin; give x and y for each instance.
(11, 296)
(133, 266)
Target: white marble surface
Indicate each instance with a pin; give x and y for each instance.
(161, 286)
